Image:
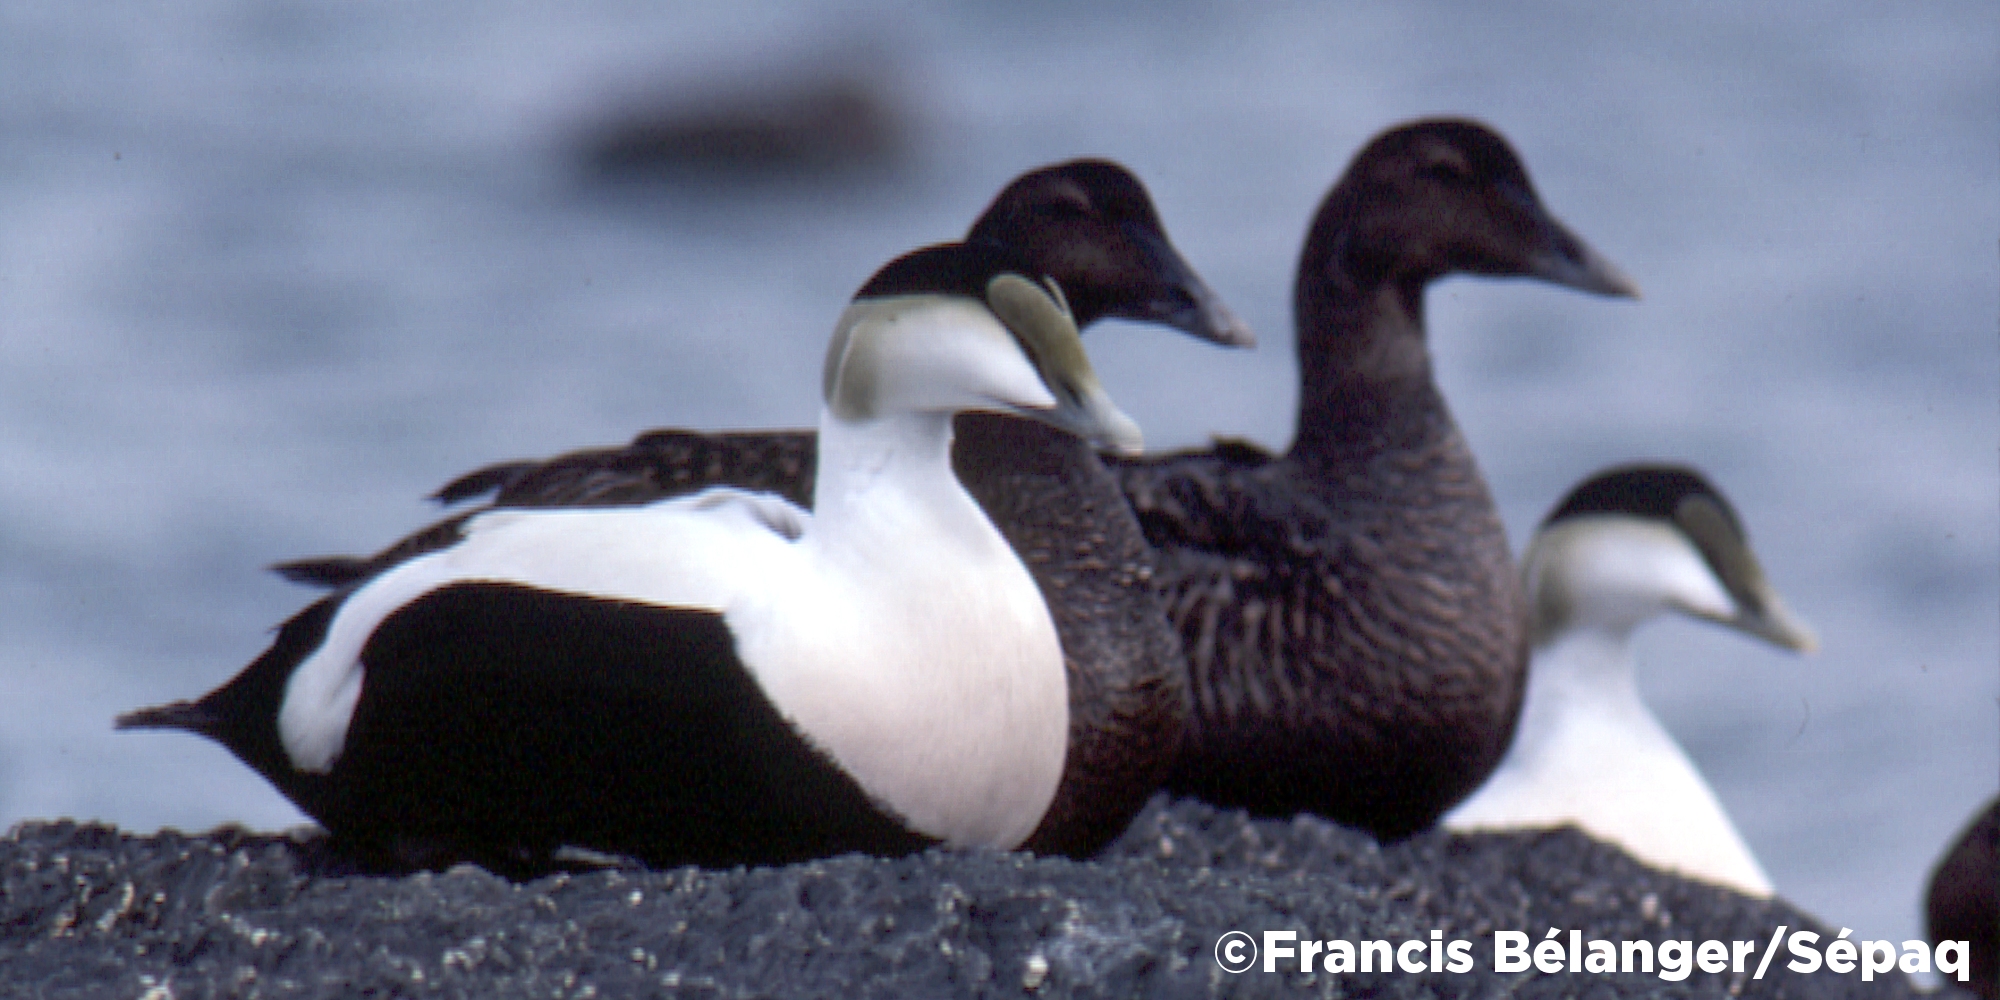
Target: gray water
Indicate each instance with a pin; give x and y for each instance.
(271, 271)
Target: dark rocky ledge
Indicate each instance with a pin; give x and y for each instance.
(88, 911)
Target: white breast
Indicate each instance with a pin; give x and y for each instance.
(930, 668)
(1588, 752)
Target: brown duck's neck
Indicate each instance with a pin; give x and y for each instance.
(1364, 371)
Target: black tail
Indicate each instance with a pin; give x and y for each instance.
(191, 716)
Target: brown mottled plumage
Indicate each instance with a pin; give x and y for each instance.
(656, 464)
(1349, 610)
(1091, 226)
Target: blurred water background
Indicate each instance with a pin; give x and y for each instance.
(271, 270)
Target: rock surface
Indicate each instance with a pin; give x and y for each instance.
(88, 911)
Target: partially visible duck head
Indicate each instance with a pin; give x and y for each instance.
(1090, 225)
(1633, 542)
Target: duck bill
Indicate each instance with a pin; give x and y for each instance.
(1092, 416)
(1565, 259)
(1184, 301)
(1768, 619)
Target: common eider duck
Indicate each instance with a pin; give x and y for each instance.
(1090, 226)
(1625, 546)
(721, 678)
(1349, 609)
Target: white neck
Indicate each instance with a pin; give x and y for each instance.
(887, 481)
(1587, 673)
(904, 452)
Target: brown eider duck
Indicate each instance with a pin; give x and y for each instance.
(1349, 609)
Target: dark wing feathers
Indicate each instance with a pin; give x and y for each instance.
(781, 462)
(491, 479)
(334, 572)
(655, 466)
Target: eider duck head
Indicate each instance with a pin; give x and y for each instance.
(1433, 198)
(968, 327)
(1633, 542)
(1090, 225)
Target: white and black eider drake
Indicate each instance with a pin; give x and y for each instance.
(1091, 226)
(1624, 547)
(721, 678)
(1349, 608)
